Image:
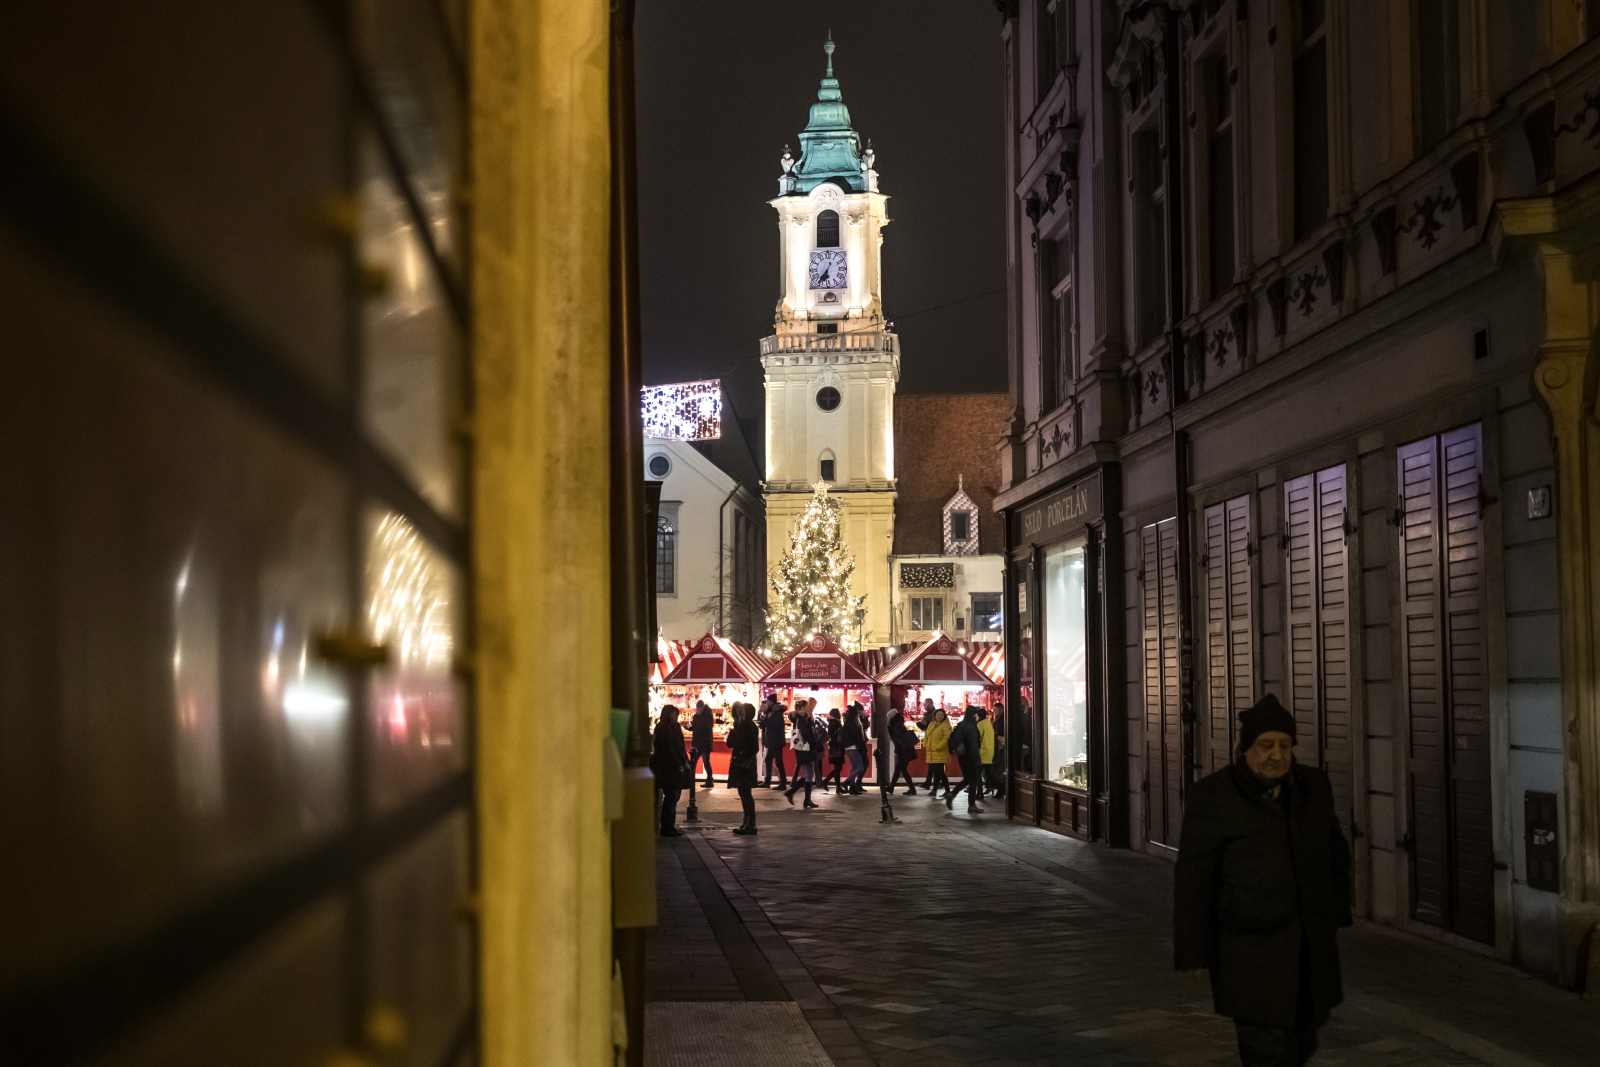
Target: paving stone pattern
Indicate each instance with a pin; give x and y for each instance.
(954, 939)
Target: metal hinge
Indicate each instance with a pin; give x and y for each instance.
(1396, 517)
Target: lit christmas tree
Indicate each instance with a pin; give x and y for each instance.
(811, 583)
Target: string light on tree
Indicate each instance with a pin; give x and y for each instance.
(811, 583)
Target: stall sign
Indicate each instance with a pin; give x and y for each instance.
(1052, 518)
(819, 667)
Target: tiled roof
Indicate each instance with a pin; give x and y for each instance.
(942, 442)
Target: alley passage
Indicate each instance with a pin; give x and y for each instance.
(956, 940)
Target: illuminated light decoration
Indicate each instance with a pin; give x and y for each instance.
(811, 583)
(409, 606)
(687, 411)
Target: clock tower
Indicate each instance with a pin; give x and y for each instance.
(831, 363)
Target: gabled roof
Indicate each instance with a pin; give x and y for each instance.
(936, 660)
(713, 660)
(990, 656)
(668, 655)
(817, 661)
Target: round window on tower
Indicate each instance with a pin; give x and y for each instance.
(827, 398)
(660, 466)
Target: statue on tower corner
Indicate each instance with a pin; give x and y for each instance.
(786, 180)
(871, 175)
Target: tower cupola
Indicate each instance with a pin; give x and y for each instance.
(830, 150)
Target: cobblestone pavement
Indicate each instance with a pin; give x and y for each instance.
(954, 939)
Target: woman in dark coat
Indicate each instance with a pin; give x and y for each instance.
(835, 728)
(772, 731)
(905, 750)
(966, 745)
(703, 740)
(1263, 883)
(806, 751)
(744, 742)
(853, 735)
(670, 765)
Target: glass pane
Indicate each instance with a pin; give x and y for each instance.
(420, 965)
(1022, 698)
(1066, 667)
(168, 562)
(416, 76)
(412, 365)
(413, 608)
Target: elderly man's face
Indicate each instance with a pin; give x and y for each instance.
(1270, 756)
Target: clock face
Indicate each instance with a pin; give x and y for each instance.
(828, 269)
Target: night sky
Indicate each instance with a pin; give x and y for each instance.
(724, 86)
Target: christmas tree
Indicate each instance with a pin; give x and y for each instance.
(811, 583)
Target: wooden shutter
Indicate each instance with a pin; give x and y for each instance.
(1163, 728)
(1452, 874)
(1316, 511)
(1230, 646)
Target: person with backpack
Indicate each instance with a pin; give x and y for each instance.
(803, 738)
(772, 731)
(966, 744)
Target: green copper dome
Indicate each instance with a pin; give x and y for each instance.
(829, 149)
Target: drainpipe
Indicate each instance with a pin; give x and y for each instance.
(722, 628)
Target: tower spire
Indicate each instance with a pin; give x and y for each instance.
(828, 48)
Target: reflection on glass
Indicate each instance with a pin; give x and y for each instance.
(411, 366)
(411, 608)
(1066, 663)
(196, 683)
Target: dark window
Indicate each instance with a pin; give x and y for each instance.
(660, 466)
(1047, 31)
(1438, 69)
(1150, 237)
(1048, 265)
(828, 229)
(1591, 18)
(986, 612)
(827, 327)
(927, 613)
(1219, 186)
(827, 398)
(827, 470)
(960, 526)
(1310, 120)
(1066, 367)
(666, 556)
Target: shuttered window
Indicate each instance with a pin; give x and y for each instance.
(1441, 531)
(1230, 649)
(1163, 730)
(1316, 519)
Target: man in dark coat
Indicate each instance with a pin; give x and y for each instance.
(702, 740)
(1263, 883)
(905, 750)
(966, 744)
(773, 729)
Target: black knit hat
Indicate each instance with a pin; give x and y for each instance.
(1266, 715)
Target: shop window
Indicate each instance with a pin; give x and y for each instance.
(1066, 664)
(986, 613)
(666, 556)
(1438, 69)
(1310, 118)
(828, 229)
(927, 613)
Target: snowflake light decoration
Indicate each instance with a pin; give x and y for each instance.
(688, 411)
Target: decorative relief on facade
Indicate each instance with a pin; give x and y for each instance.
(1305, 290)
(927, 575)
(1058, 441)
(1589, 113)
(1221, 337)
(1425, 217)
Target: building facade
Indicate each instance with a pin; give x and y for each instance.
(947, 563)
(710, 538)
(1302, 386)
(831, 363)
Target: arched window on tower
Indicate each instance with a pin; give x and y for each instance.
(825, 465)
(828, 229)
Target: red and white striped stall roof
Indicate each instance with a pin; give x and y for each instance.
(939, 660)
(817, 662)
(713, 660)
(990, 656)
(668, 655)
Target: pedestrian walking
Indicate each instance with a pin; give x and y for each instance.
(1262, 887)
(967, 746)
(936, 750)
(905, 750)
(986, 750)
(995, 772)
(772, 731)
(744, 743)
(670, 766)
(854, 736)
(835, 742)
(803, 739)
(702, 739)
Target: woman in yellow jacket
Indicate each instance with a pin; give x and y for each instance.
(986, 748)
(936, 748)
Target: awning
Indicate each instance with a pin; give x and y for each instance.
(939, 660)
(713, 660)
(817, 662)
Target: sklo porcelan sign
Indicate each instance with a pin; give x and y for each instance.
(1057, 516)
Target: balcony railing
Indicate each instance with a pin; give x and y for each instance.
(847, 341)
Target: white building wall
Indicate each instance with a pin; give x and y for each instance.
(700, 489)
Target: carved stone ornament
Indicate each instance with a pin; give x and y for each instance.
(827, 195)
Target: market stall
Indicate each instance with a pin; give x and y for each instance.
(818, 669)
(945, 671)
(717, 671)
